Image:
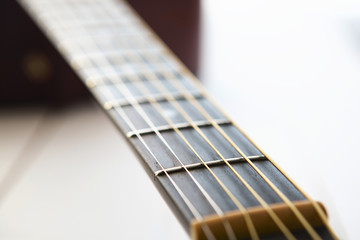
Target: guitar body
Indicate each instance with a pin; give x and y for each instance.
(36, 72)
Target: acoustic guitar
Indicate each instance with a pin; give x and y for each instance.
(219, 183)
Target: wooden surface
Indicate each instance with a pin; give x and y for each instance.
(292, 85)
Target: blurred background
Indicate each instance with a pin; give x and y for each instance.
(287, 72)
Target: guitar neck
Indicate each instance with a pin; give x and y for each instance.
(218, 182)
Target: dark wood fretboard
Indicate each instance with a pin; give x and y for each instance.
(202, 163)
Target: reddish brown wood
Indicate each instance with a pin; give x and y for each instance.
(21, 40)
(177, 22)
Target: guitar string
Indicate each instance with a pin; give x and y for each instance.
(171, 100)
(276, 219)
(129, 97)
(191, 207)
(315, 204)
(288, 233)
(139, 109)
(242, 209)
(297, 213)
(248, 220)
(287, 201)
(200, 108)
(272, 214)
(207, 231)
(214, 205)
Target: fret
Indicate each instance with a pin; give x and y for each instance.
(236, 187)
(68, 21)
(144, 99)
(89, 23)
(156, 76)
(204, 164)
(117, 53)
(111, 96)
(109, 92)
(181, 149)
(79, 36)
(121, 52)
(67, 13)
(170, 112)
(178, 126)
(111, 74)
(209, 163)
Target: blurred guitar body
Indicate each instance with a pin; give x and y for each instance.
(33, 71)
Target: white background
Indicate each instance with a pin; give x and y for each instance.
(288, 72)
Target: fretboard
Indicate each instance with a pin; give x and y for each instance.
(216, 180)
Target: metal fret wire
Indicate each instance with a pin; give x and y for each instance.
(304, 194)
(209, 163)
(142, 99)
(135, 104)
(191, 207)
(178, 125)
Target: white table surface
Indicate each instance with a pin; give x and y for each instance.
(287, 72)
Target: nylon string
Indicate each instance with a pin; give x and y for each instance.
(199, 86)
(129, 97)
(200, 108)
